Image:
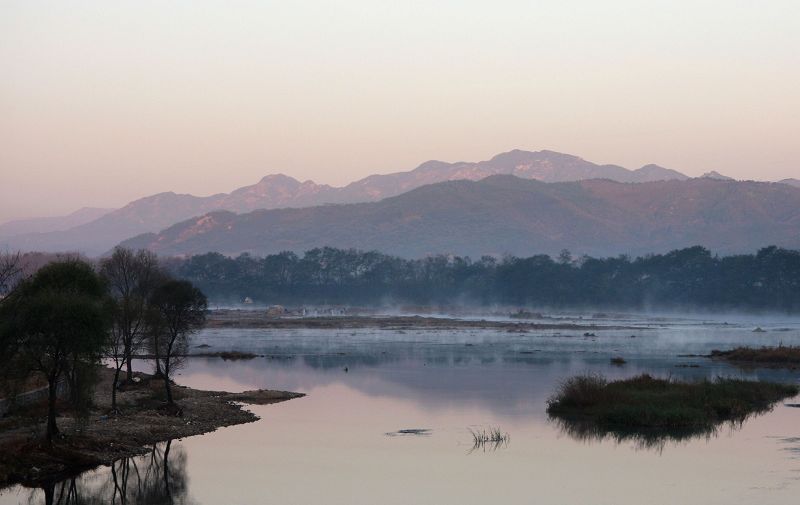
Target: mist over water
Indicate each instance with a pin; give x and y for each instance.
(332, 446)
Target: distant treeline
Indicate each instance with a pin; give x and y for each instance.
(690, 278)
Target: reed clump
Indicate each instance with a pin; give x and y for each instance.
(492, 438)
(646, 402)
(781, 355)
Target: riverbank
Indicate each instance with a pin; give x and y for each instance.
(99, 438)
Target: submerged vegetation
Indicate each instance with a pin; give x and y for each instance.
(780, 356)
(493, 438)
(651, 410)
(692, 277)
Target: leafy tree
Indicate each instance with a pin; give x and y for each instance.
(54, 322)
(178, 309)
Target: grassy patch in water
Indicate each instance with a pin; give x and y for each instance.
(493, 438)
(649, 403)
(773, 356)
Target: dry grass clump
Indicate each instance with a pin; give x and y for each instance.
(780, 355)
(645, 402)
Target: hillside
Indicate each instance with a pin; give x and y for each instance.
(49, 224)
(156, 212)
(506, 214)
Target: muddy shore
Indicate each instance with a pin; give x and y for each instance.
(100, 438)
(238, 318)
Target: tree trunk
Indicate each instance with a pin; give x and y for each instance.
(166, 471)
(114, 390)
(158, 356)
(130, 370)
(166, 382)
(49, 493)
(52, 393)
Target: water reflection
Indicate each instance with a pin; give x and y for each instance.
(157, 478)
(332, 446)
(643, 439)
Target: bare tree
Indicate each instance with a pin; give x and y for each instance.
(178, 309)
(131, 277)
(10, 271)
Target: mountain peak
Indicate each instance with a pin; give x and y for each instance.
(652, 172)
(716, 175)
(278, 178)
(520, 156)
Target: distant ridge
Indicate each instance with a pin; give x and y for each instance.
(48, 224)
(156, 212)
(716, 175)
(506, 214)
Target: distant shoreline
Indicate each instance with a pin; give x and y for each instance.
(247, 318)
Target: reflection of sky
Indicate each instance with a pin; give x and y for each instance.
(331, 447)
(494, 368)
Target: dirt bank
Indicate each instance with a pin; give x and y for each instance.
(100, 438)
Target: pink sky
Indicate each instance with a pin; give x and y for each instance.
(105, 102)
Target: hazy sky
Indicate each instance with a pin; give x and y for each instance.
(102, 102)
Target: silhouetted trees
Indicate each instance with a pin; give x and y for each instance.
(56, 324)
(10, 271)
(686, 278)
(132, 278)
(177, 310)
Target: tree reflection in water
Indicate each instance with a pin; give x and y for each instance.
(157, 478)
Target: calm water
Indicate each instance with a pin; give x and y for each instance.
(332, 446)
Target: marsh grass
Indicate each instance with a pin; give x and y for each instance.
(651, 410)
(492, 438)
(773, 356)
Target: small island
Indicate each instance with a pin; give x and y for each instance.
(647, 408)
(771, 357)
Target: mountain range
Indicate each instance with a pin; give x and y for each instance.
(156, 212)
(48, 224)
(505, 214)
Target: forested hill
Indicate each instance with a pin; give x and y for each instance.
(691, 278)
(508, 215)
